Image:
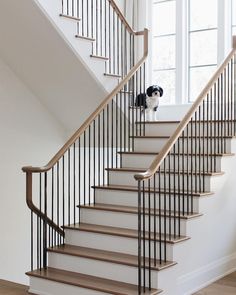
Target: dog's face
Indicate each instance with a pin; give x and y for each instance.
(154, 91)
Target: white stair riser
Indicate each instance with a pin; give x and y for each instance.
(156, 144)
(144, 161)
(127, 178)
(130, 221)
(45, 287)
(102, 269)
(112, 243)
(161, 129)
(131, 199)
(209, 129)
(149, 144)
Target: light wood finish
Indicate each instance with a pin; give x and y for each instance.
(85, 38)
(112, 75)
(88, 282)
(127, 169)
(176, 122)
(224, 286)
(70, 17)
(166, 136)
(99, 57)
(9, 288)
(108, 256)
(180, 154)
(187, 118)
(123, 232)
(130, 188)
(134, 210)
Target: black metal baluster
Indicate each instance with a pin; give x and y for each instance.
(149, 234)
(139, 238)
(144, 237)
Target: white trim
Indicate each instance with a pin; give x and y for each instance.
(208, 274)
(181, 52)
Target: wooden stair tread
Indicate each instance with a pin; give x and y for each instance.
(157, 122)
(140, 170)
(130, 188)
(176, 154)
(181, 137)
(89, 282)
(70, 17)
(108, 256)
(134, 210)
(201, 121)
(99, 57)
(112, 75)
(124, 232)
(85, 38)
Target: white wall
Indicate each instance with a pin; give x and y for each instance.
(29, 136)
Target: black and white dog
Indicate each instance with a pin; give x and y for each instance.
(150, 101)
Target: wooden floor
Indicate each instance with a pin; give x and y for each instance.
(225, 286)
(7, 288)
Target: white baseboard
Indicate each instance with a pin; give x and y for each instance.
(206, 275)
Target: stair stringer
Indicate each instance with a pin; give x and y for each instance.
(82, 48)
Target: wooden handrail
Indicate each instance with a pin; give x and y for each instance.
(81, 130)
(172, 140)
(121, 16)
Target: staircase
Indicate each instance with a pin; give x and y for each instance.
(108, 211)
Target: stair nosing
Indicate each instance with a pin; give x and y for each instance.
(85, 38)
(142, 170)
(43, 274)
(128, 210)
(180, 154)
(114, 231)
(135, 189)
(65, 250)
(181, 137)
(70, 17)
(99, 57)
(112, 75)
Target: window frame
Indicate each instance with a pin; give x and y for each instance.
(224, 32)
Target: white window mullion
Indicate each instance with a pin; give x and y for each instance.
(224, 29)
(181, 51)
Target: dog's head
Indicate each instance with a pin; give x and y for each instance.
(154, 90)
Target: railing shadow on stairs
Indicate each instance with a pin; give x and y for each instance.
(54, 191)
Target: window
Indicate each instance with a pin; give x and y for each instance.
(202, 44)
(234, 17)
(164, 47)
(190, 37)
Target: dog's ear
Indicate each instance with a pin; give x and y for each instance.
(160, 91)
(150, 91)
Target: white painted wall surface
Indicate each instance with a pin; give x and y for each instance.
(29, 136)
(47, 64)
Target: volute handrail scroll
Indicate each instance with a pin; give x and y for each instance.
(155, 165)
